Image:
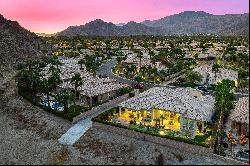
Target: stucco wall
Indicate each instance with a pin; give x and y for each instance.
(193, 149)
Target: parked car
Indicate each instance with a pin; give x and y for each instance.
(138, 86)
(243, 155)
(202, 88)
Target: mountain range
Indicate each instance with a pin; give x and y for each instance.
(187, 22)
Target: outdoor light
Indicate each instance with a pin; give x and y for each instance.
(162, 132)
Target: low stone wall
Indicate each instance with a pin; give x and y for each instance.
(193, 149)
(102, 108)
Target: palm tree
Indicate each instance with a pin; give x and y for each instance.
(81, 62)
(193, 77)
(153, 60)
(215, 69)
(49, 84)
(151, 53)
(241, 75)
(46, 88)
(119, 59)
(91, 64)
(162, 117)
(132, 69)
(224, 103)
(139, 55)
(65, 97)
(77, 81)
(54, 78)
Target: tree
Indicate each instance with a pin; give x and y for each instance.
(193, 77)
(119, 59)
(162, 117)
(54, 78)
(29, 77)
(46, 88)
(224, 103)
(81, 62)
(77, 81)
(139, 55)
(215, 69)
(65, 97)
(241, 75)
(151, 53)
(91, 64)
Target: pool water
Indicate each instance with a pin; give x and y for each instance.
(53, 104)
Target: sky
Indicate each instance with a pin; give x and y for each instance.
(50, 16)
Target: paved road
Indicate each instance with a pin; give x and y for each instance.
(106, 70)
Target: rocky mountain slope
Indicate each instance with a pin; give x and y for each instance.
(17, 43)
(100, 28)
(202, 22)
(188, 22)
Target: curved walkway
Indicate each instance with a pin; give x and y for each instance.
(82, 125)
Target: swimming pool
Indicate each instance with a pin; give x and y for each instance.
(53, 104)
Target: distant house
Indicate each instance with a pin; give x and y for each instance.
(94, 89)
(209, 76)
(239, 118)
(188, 56)
(206, 56)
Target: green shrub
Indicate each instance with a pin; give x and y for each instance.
(76, 110)
(124, 91)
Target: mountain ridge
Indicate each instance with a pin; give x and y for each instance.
(187, 22)
(17, 43)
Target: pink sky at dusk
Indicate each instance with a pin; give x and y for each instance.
(51, 16)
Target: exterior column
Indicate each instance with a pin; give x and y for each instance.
(158, 114)
(188, 122)
(181, 123)
(202, 127)
(142, 114)
(138, 114)
(90, 101)
(195, 128)
(120, 113)
(152, 115)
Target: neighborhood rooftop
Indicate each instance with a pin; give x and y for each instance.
(93, 86)
(241, 111)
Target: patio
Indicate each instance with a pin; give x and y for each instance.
(155, 118)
